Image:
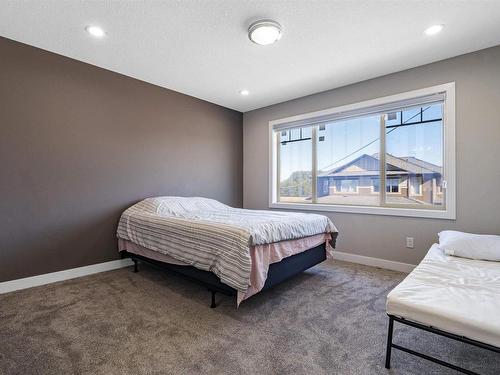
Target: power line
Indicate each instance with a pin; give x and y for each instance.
(375, 140)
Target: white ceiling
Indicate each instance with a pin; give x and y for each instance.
(200, 48)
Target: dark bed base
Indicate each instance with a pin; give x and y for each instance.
(277, 273)
(391, 345)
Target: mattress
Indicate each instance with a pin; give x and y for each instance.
(212, 236)
(456, 295)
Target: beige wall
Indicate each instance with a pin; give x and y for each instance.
(477, 78)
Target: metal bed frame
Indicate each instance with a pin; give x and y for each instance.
(437, 331)
(278, 272)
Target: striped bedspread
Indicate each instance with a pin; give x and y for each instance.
(212, 236)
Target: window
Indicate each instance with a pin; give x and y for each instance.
(416, 185)
(392, 185)
(393, 155)
(347, 185)
(295, 165)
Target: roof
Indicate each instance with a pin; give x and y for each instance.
(424, 164)
(401, 164)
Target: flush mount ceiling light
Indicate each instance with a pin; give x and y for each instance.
(264, 32)
(95, 31)
(433, 30)
(244, 92)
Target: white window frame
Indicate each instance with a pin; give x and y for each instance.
(449, 169)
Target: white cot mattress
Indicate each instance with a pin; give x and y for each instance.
(456, 295)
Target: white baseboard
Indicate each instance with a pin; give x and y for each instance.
(375, 262)
(28, 282)
(48, 278)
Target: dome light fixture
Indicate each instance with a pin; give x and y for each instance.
(244, 92)
(264, 32)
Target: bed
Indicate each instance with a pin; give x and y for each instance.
(232, 251)
(454, 297)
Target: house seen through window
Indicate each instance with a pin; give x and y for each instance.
(386, 158)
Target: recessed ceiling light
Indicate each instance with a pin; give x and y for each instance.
(264, 32)
(244, 92)
(433, 30)
(95, 31)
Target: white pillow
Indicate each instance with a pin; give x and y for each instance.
(468, 245)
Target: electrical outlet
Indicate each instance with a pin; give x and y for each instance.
(410, 242)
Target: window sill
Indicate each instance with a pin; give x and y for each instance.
(390, 211)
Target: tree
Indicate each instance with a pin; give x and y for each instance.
(297, 185)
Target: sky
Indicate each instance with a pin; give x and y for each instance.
(348, 139)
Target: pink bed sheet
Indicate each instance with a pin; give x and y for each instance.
(262, 256)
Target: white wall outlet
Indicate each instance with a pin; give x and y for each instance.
(410, 242)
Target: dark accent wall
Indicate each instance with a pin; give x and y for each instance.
(79, 144)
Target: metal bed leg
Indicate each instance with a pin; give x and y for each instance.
(439, 332)
(136, 269)
(389, 343)
(213, 305)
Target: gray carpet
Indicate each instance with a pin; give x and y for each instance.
(328, 320)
